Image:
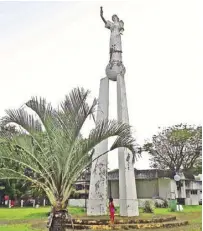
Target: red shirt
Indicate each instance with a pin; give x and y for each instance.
(111, 207)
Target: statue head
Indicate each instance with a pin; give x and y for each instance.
(115, 18)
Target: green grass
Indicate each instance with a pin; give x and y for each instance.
(33, 213)
(18, 227)
(193, 214)
(32, 219)
(23, 213)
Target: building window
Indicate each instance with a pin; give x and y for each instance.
(193, 192)
(187, 193)
(187, 183)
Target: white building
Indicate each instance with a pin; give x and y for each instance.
(154, 183)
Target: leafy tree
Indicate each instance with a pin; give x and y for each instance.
(14, 188)
(197, 168)
(8, 130)
(177, 147)
(51, 152)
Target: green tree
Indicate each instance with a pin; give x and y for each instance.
(177, 147)
(8, 130)
(14, 188)
(50, 150)
(197, 168)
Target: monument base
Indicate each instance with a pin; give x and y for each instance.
(96, 207)
(129, 208)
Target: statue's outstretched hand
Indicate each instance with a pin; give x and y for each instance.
(101, 14)
(101, 10)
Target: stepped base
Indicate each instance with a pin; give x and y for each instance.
(122, 221)
(126, 223)
(129, 226)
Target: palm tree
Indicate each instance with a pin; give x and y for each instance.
(51, 147)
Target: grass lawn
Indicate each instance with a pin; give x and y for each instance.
(32, 219)
(18, 227)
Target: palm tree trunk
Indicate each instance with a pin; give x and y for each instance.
(58, 221)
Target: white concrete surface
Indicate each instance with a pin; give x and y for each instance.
(194, 199)
(127, 186)
(98, 187)
(77, 202)
(164, 187)
(174, 191)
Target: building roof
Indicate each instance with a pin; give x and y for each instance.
(154, 173)
(147, 174)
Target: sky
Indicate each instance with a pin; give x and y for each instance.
(48, 48)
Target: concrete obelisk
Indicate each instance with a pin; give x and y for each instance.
(115, 71)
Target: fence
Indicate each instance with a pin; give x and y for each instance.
(25, 203)
(82, 203)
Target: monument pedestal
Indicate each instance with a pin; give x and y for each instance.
(127, 186)
(97, 203)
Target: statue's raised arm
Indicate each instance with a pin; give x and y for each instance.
(101, 14)
(116, 27)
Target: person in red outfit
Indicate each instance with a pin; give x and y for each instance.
(111, 210)
(12, 203)
(6, 199)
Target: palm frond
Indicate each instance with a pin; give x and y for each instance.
(40, 107)
(75, 112)
(111, 128)
(45, 113)
(23, 119)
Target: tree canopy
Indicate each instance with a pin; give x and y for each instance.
(177, 147)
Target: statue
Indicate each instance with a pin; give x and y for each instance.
(116, 28)
(115, 71)
(115, 65)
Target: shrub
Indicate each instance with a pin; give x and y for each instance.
(157, 204)
(165, 204)
(76, 195)
(161, 203)
(148, 207)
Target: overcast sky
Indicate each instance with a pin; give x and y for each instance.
(47, 48)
